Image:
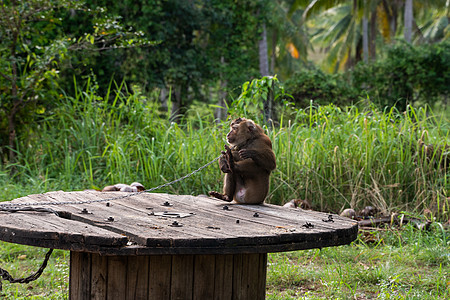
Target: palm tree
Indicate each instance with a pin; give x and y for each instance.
(408, 16)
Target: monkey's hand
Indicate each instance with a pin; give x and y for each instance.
(245, 153)
(226, 162)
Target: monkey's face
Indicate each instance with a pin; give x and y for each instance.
(241, 130)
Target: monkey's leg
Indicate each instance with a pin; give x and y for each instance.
(229, 186)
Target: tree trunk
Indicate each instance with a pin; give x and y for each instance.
(163, 99)
(264, 70)
(176, 104)
(273, 54)
(373, 35)
(263, 55)
(12, 136)
(365, 38)
(221, 111)
(408, 20)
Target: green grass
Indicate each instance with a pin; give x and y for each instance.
(336, 158)
(396, 264)
(21, 261)
(404, 264)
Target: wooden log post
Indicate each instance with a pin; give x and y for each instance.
(159, 277)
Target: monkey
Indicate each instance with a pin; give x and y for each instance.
(348, 213)
(134, 187)
(247, 162)
(294, 203)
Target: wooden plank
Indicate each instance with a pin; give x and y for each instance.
(52, 228)
(238, 277)
(117, 277)
(262, 273)
(223, 222)
(137, 277)
(160, 276)
(210, 231)
(182, 277)
(252, 277)
(223, 277)
(204, 271)
(80, 273)
(182, 237)
(99, 276)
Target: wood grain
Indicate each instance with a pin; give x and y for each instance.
(130, 227)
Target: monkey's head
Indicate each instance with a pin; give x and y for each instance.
(242, 130)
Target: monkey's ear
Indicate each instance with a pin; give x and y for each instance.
(251, 126)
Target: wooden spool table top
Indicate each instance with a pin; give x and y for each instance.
(158, 224)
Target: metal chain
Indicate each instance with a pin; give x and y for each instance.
(4, 275)
(13, 207)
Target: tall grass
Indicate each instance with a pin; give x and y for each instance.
(333, 157)
(349, 158)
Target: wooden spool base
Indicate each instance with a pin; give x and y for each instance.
(224, 276)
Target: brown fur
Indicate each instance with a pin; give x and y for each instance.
(247, 164)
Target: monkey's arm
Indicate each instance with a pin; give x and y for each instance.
(263, 158)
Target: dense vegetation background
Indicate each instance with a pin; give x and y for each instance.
(354, 95)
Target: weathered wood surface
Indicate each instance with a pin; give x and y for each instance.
(168, 277)
(137, 230)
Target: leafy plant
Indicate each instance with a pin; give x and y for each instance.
(32, 47)
(407, 75)
(258, 97)
(312, 84)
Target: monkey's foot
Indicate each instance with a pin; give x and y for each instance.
(219, 196)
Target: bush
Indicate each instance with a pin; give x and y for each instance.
(313, 84)
(407, 75)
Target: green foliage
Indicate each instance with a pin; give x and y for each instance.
(339, 158)
(91, 141)
(312, 84)
(408, 74)
(201, 43)
(333, 157)
(255, 95)
(403, 263)
(32, 47)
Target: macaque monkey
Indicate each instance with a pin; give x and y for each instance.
(120, 187)
(247, 163)
(294, 203)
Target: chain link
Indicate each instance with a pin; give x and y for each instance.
(13, 207)
(4, 275)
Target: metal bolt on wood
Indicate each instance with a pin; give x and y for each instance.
(330, 219)
(167, 203)
(176, 224)
(308, 225)
(225, 207)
